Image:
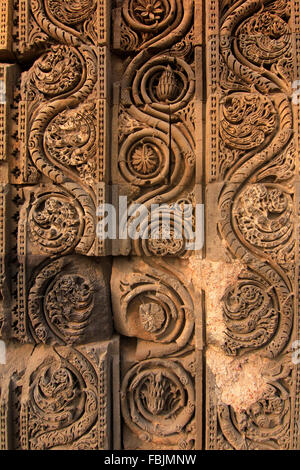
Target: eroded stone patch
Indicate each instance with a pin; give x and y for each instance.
(240, 380)
(214, 277)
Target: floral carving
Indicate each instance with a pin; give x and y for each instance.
(152, 316)
(264, 38)
(63, 300)
(264, 425)
(158, 394)
(149, 11)
(257, 314)
(250, 151)
(56, 393)
(165, 82)
(62, 402)
(54, 224)
(251, 316)
(172, 231)
(145, 159)
(248, 120)
(165, 242)
(157, 309)
(157, 400)
(58, 81)
(145, 22)
(70, 139)
(158, 157)
(57, 72)
(69, 303)
(167, 89)
(264, 215)
(257, 219)
(60, 221)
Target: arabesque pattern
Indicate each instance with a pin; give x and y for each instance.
(149, 341)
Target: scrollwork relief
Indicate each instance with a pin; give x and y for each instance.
(265, 424)
(61, 221)
(63, 303)
(157, 91)
(156, 308)
(256, 223)
(62, 402)
(257, 211)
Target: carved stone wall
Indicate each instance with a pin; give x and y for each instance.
(149, 342)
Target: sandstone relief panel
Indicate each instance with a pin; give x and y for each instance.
(60, 381)
(149, 206)
(252, 183)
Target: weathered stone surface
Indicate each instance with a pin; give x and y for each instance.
(60, 398)
(173, 104)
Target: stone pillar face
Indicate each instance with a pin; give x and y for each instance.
(60, 372)
(252, 180)
(132, 131)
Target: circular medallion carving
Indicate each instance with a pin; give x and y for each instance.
(157, 398)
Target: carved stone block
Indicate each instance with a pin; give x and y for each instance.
(251, 206)
(67, 397)
(159, 313)
(66, 301)
(155, 106)
(44, 22)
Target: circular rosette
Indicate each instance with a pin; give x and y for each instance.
(144, 158)
(60, 222)
(158, 310)
(70, 12)
(164, 82)
(62, 400)
(263, 218)
(56, 72)
(158, 400)
(264, 38)
(64, 301)
(247, 119)
(151, 16)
